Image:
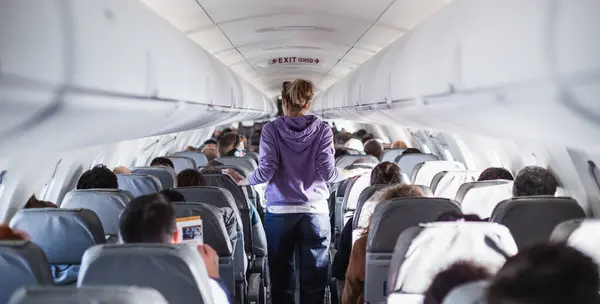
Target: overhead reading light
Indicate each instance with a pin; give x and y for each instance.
(295, 28)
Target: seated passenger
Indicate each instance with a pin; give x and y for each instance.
(386, 173)
(340, 152)
(459, 273)
(211, 153)
(9, 234)
(533, 180)
(367, 137)
(98, 177)
(374, 147)
(399, 144)
(355, 276)
(190, 178)
(151, 219)
(354, 144)
(162, 161)
(254, 142)
(452, 216)
(493, 173)
(546, 274)
(121, 170)
(191, 149)
(231, 144)
(411, 151)
(173, 195)
(360, 133)
(33, 202)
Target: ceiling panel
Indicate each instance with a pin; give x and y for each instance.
(378, 37)
(212, 39)
(406, 14)
(230, 56)
(186, 15)
(358, 56)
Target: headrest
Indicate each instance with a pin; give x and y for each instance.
(139, 184)
(364, 196)
(466, 187)
(166, 175)
(391, 154)
(253, 155)
(424, 172)
(238, 169)
(361, 166)
(214, 196)
(225, 182)
(247, 163)
(392, 217)
(426, 190)
(401, 298)
(214, 232)
(439, 245)
(178, 271)
(343, 185)
(354, 190)
(106, 203)
(346, 160)
(407, 162)
(580, 234)
(470, 293)
(532, 219)
(446, 183)
(181, 163)
(63, 234)
(482, 199)
(198, 157)
(22, 263)
(87, 295)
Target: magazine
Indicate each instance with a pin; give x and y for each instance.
(189, 230)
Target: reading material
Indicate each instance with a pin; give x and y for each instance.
(190, 230)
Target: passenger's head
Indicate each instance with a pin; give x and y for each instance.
(411, 151)
(191, 149)
(148, 219)
(211, 153)
(548, 274)
(495, 173)
(173, 195)
(9, 234)
(374, 147)
(299, 97)
(214, 163)
(342, 137)
(121, 170)
(453, 216)
(33, 202)
(533, 180)
(360, 133)
(399, 144)
(190, 178)
(354, 144)
(99, 177)
(392, 192)
(162, 161)
(386, 173)
(229, 144)
(367, 137)
(210, 142)
(340, 152)
(459, 273)
(254, 143)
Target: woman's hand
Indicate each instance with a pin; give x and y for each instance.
(234, 175)
(211, 260)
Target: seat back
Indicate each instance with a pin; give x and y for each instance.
(408, 162)
(22, 263)
(106, 203)
(353, 192)
(363, 198)
(178, 271)
(424, 172)
(63, 234)
(87, 295)
(390, 155)
(166, 175)
(139, 184)
(253, 155)
(347, 160)
(482, 197)
(470, 293)
(247, 163)
(338, 215)
(238, 169)
(426, 190)
(420, 254)
(198, 157)
(387, 222)
(214, 234)
(532, 219)
(446, 183)
(181, 163)
(580, 234)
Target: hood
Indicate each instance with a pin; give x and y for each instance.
(298, 133)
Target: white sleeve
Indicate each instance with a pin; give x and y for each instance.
(217, 292)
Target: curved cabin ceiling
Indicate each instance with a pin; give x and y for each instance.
(264, 41)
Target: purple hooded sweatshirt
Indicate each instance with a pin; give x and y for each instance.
(296, 159)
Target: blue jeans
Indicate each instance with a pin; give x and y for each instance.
(311, 234)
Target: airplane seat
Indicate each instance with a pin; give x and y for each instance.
(243, 172)
(198, 157)
(426, 190)
(355, 152)
(580, 234)
(364, 210)
(482, 197)
(446, 183)
(422, 251)
(214, 234)
(63, 234)
(408, 162)
(390, 155)
(423, 173)
(532, 219)
(399, 298)
(181, 163)
(469, 293)
(387, 222)
(22, 263)
(338, 214)
(353, 191)
(166, 175)
(87, 295)
(406, 178)
(139, 184)
(253, 155)
(106, 203)
(347, 160)
(177, 271)
(246, 163)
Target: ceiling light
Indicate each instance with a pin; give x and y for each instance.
(296, 28)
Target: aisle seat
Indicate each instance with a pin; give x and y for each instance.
(446, 183)
(248, 164)
(139, 184)
(400, 298)
(181, 163)
(198, 157)
(347, 160)
(166, 175)
(338, 212)
(581, 234)
(87, 295)
(470, 293)
(408, 162)
(482, 197)
(63, 234)
(390, 155)
(423, 173)
(353, 191)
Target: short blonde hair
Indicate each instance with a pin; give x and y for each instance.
(395, 191)
(301, 93)
(399, 144)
